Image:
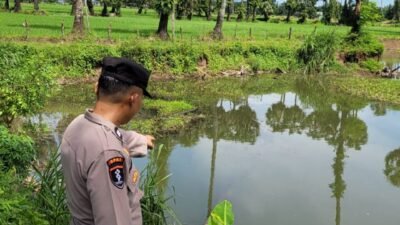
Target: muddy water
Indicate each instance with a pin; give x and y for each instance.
(303, 157)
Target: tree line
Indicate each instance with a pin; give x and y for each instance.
(330, 12)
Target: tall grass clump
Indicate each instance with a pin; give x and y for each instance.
(51, 198)
(155, 207)
(317, 53)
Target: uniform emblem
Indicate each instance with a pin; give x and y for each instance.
(118, 133)
(135, 176)
(116, 171)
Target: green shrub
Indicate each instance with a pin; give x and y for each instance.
(317, 52)
(16, 204)
(183, 58)
(16, 151)
(372, 65)
(359, 47)
(25, 81)
(76, 60)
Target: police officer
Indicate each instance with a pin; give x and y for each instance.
(101, 180)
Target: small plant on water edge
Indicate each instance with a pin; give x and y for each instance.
(317, 53)
(155, 207)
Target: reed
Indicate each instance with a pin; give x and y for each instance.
(155, 204)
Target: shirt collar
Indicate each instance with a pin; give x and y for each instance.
(95, 118)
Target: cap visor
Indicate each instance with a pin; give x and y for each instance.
(147, 93)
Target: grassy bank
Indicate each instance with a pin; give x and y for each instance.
(177, 59)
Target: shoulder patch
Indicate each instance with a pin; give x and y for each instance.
(116, 171)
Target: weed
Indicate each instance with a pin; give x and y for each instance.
(317, 52)
(51, 197)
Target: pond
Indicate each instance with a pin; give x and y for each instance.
(302, 156)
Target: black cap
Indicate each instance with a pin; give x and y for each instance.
(126, 71)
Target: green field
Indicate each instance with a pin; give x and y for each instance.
(132, 26)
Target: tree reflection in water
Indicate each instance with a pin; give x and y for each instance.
(392, 167)
(316, 113)
(333, 119)
(237, 123)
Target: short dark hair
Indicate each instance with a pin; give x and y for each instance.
(112, 89)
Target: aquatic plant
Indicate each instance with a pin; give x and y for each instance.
(155, 205)
(222, 214)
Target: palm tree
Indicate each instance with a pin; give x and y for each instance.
(356, 27)
(36, 5)
(392, 167)
(290, 6)
(217, 33)
(78, 26)
(17, 6)
(164, 8)
(7, 5)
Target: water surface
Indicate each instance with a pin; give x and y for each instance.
(304, 157)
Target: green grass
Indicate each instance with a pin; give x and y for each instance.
(131, 25)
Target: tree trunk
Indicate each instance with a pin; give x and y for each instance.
(253, 19)
(288, 15)
(36, 5)
(357, 18)
(247, 10)
(163, 26)
(217, 33)
(90, 7)
(7, 5)
(73, 9)
(17, 6)
(79, 25)
(396, 9)
(190, 11)
(266, 16)
(104, 12)
(209, 10)
(141, 6)
(230, 10)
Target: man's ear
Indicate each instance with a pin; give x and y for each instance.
(96, 88)
(133, 97)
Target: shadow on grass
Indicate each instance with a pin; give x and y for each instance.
(41, 26)
(142, 32)
(388, 32)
